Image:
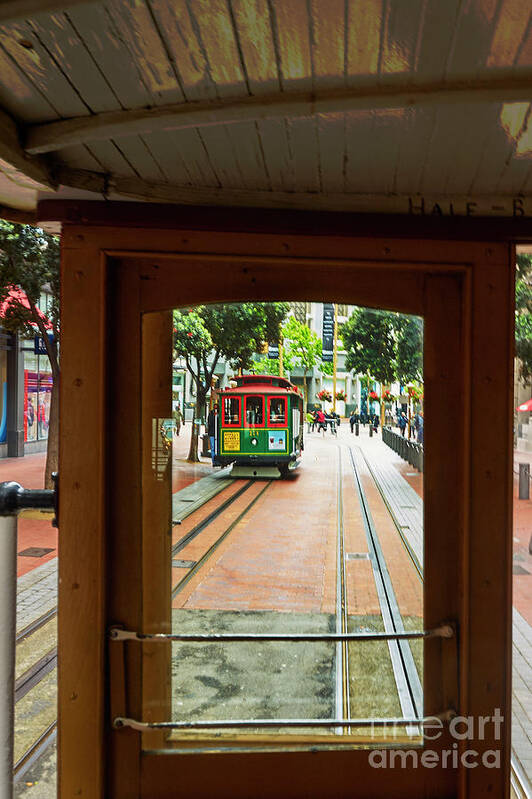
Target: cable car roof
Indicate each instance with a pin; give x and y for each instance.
(379, 105)
(265, 384)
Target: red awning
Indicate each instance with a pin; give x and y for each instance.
(526, 406)
(20, 297)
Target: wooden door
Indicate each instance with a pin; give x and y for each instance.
(110, 284)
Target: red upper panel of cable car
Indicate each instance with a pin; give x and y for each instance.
(262, 383)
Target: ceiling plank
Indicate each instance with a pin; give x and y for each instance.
(23, 9)
(31, 169)
(81, 130)
(114, 186)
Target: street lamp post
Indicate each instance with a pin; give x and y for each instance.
(335, 354)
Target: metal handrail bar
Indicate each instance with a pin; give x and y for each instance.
(118, 634)
(142, 726)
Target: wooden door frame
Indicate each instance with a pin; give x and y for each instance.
(91, 552)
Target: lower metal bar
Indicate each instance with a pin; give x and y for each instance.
(142, 726)
(117, 634)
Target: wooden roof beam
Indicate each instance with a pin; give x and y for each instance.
(24, 169)
(116, 187)
(81, 130)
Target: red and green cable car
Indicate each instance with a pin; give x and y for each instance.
(260, 426)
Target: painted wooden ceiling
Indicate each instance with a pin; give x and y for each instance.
(387, 105)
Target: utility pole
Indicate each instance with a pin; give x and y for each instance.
(335, 354)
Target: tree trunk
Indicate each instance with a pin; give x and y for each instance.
(305, 391)
(52, 451)
(193, 456)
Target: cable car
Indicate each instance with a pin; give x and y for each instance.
(260, 426)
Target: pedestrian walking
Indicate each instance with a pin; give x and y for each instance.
(402, 422)
(212, 424)
(320, 419)
(376, 423)
(178, 417)
(421, 423)
(352, 420)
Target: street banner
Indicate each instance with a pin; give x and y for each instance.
(328, 332)
(273, 351)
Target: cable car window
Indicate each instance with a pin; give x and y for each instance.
(254, 411)
(231, 411)
(277, 413)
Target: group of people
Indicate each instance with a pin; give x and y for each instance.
(364, 418)
(416, 424)
(319, 420)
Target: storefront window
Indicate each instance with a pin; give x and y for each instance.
(37, 396)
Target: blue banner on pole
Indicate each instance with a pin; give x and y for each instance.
(327, 353)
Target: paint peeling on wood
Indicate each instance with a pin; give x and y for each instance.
(294, 43)
(363, 37)
(256, 42)
(218, 38)
(135, 24)
(174, 21)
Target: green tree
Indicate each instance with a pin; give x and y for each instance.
(409, 348)
(523, 316)
(302, 348)
(209, 332)
(370, 342)
(29, 260)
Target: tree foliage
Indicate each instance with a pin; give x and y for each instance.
(384, 344)
(29, 260)
(302, 347)
(409, 348)
(236, 332)
(370, 341)
(523, 316)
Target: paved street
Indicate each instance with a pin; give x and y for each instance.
(398, 482)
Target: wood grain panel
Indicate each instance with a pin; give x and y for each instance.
(365, 22)
(328, 43)
(436, 39)
(512, 24)
(191, 144)
(64, 45)
(222, 155)
(110, 158)
(400, 37)
(215, 28)
(359, 168)
(41, 69)
(279, 162)
(255, 35)
(472, 38)
(134, 21)
(156, 519)
(304, 145)
(79, 157)
(19, 96)
(293, 43)
(247, 146)
(138, 153)
(98, 31)
(82, 596)
(331, 136)
(169, 157)
(417, 130)
(179, 33)
(490, 567)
